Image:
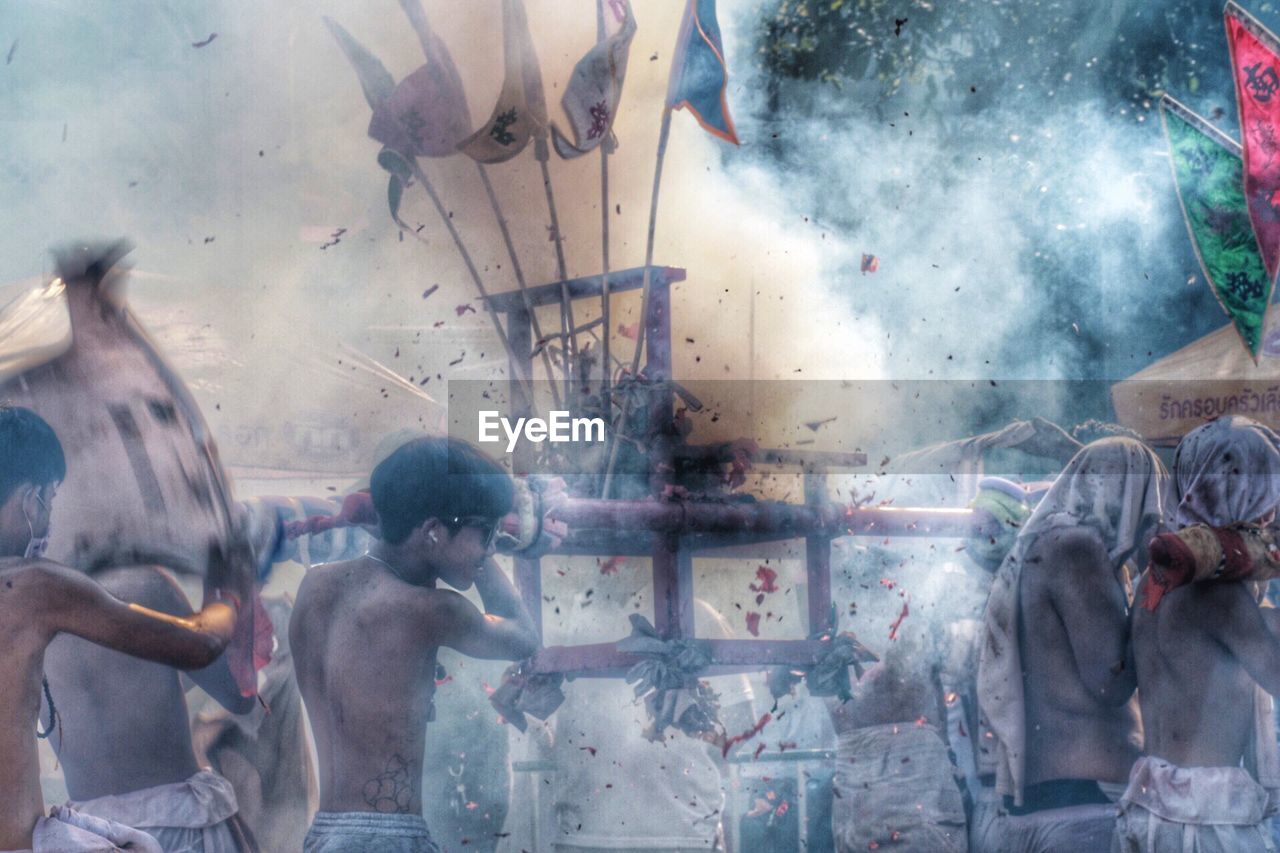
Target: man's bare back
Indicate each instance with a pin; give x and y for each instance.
(364, 640)
(124, 721)
(364, 646)
(1082, 718)
(1198, 657)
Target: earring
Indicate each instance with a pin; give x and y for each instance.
(432, 537)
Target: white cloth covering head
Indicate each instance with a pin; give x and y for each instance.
(1226, 472)
(1116, 486)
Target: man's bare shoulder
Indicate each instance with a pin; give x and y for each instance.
(38, 577)
(34, 589)
(1065, 554)
(1075, 543)
(1206, 605)
(355, 582)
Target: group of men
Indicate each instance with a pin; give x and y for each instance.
(1102, 708)
(1126, 720)
(95, 657)
(1119, 720)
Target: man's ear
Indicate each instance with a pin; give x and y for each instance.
(29, 495)
(431, 529)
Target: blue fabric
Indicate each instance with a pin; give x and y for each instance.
(699, 75)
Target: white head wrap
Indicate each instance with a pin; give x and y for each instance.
(1117, 487)
(1226, 472)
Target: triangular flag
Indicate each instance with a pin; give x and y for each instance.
(1255, 65)
(699, 76)
(521, 111)
(1208, 173)
(427, 113)
(375, 79)
(591, 98)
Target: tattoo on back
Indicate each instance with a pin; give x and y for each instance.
(389, 792)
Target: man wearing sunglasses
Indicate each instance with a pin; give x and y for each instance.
(365, 632)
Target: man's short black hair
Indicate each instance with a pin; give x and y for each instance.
(439, 478)
(29, 451)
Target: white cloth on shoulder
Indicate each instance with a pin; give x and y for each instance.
(895, 787)
(1115, 486)
(1168, 809)
(185, 817)
(67, 831)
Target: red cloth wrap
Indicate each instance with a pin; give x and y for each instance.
(1172, 565)
(1235, 557)
(250, 647)
(357, 508)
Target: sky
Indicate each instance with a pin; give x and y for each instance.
(1028, 237)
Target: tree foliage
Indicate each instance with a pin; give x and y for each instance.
(1130, 50)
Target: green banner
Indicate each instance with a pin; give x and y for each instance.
(1209, 175)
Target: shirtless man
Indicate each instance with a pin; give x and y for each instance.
(40, 600)
(1201, 656)
(364, 635)
(112, 704)
(1053, 679)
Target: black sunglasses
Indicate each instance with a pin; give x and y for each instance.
(479, 521)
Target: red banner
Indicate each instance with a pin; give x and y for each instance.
(1255, 62)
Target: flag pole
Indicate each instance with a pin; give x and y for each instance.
(604, 272)
(418, 20)
(520, 280)
(542, 153)
(517, 364)
(663, 134)
(604, 238)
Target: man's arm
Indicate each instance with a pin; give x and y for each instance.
(1091, 604)
(156, 590)
(65, 600)
(1233, 618)
(503, 632)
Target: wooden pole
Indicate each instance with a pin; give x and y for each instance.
(663, 134)
(525, 385)
(605, 368)
(524, 287)
(542, 152)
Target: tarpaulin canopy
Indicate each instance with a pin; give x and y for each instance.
(1209, 378)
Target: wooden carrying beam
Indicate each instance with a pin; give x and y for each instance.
(582, 288)
(603, 660)
(747, 518)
